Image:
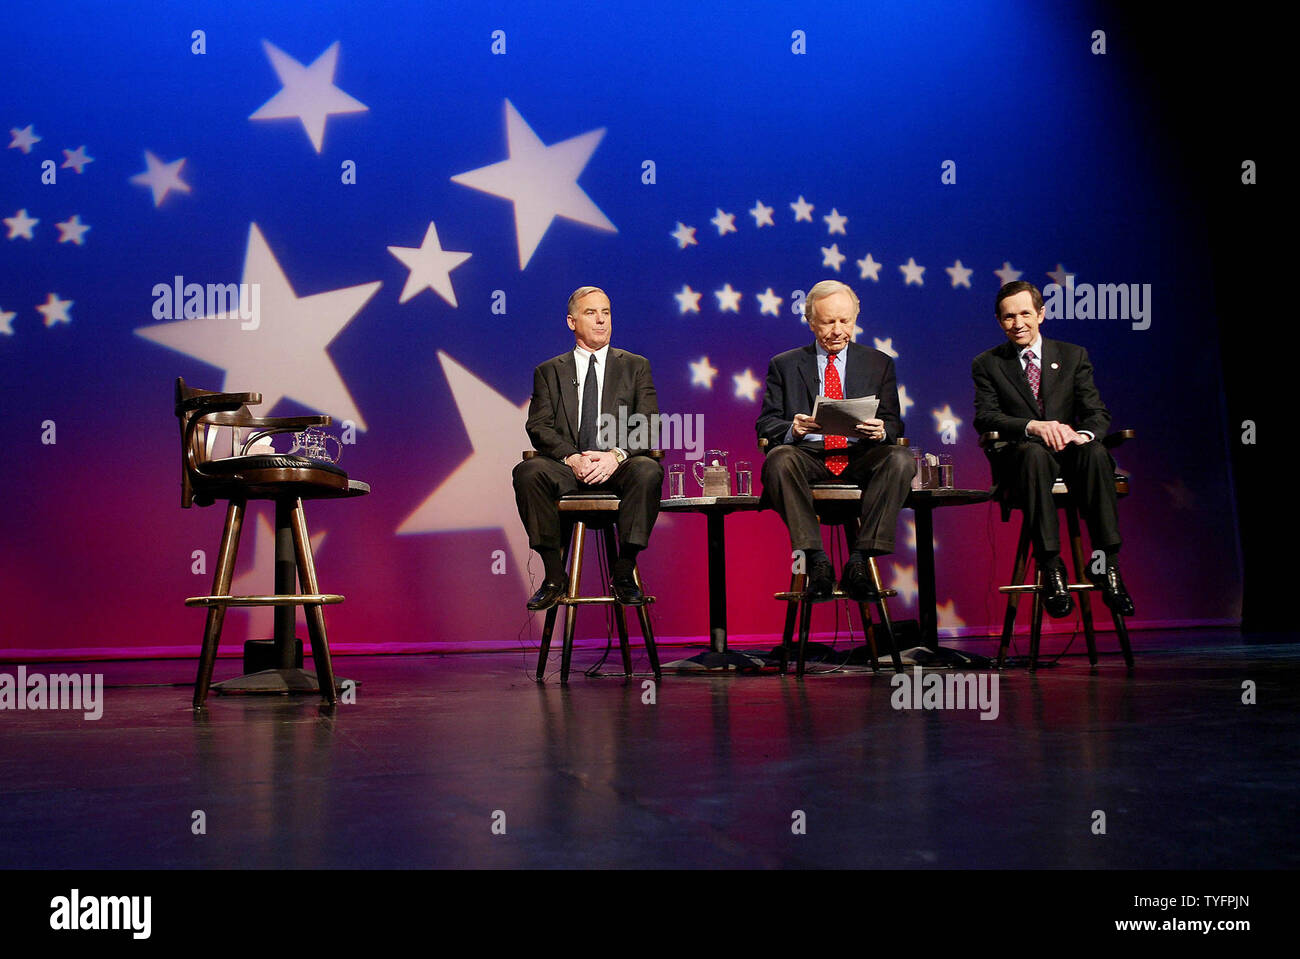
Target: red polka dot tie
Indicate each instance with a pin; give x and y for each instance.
(835, 391)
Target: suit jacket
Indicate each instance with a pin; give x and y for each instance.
(1005, 403)
(792, 388)
(553, 411)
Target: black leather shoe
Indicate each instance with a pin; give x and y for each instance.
(1055, 596)
(627, 592)
(821, 581)
(856, 583)
(1113, 593)
(549, 593)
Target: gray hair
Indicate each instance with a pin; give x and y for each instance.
(824, 289)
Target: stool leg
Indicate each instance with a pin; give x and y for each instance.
(220, 587)
(571, 612)
(884, 615)
(647, 632)
(320, 649)
(1013, 599)
(805, 625)
(1121, 633)
(870, 636)
(797, 583)
(1080, 570)
(545, 651)
(1036, 620)
(620, 617)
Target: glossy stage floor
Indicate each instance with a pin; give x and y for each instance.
(464, 761)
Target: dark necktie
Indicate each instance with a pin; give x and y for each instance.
(1034, 376)
(835, 391)
(590, 409)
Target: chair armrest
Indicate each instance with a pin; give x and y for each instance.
(217, 402)
(1112, 440)
(653, 454)
(268, 424)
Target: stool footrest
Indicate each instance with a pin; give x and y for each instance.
(1033, 588)
(296, 599)
(593, 601)
(837, 593)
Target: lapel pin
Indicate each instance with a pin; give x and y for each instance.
(1056, 366)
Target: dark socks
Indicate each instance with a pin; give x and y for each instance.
(553, 563)
(626, 561)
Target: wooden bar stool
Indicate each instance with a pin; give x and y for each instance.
(837, 505)
(286, 481)
(1063, 501)
(596, 512)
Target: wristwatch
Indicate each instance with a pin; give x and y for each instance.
(620, 456)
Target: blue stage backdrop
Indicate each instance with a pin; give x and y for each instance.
(411, 190)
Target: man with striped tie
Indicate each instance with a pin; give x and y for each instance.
(799, 456)
(1039, 394)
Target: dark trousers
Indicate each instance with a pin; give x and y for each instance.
(884, 473)
(1026, 473)
(541, 481)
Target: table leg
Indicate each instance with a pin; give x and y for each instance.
(926, 599)
(717, 583)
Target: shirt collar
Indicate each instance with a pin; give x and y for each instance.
(580, 356)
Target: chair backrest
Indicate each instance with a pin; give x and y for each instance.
(199, 420)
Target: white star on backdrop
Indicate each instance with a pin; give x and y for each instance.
(688, 301)
(6, 322)
(835, 222)
(802, 209)
(55, 310)
(832, 257)
(541, 181)
(762, 214)
(72, 230)
(479, 494)
(23, 139)
(1008, 273)
(904, 580)
(161, 178)
(948, 618)
(430, 267)
(886, 346)
(728, 299)
(870, 269)
(905, 402)
(912, 272)
(1059, 275)
(76, 159)
(684, 235)
(746, 386)
(909, 534)
(945, 418)
(702, 372)
(725, 222)
(20, 224)
(770, 302)
(259, 580)
(286, 355)
(960, 275)
(308, 94)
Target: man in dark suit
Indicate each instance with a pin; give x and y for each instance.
(579, 398)
(798, 456)
(1038, 394)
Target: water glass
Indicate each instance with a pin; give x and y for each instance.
(744, 479)
(677, 481)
